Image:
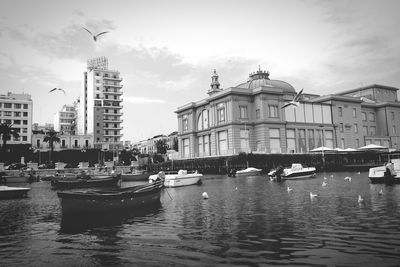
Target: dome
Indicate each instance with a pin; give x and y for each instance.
(261, 78)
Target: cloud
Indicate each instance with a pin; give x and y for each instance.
(142, 100)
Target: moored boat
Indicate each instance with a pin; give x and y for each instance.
(135, 175)
(388, 174)
(104, 201)
(86, 182)
(249, 171)
(7, 192)
(176, 179)
(296, 171)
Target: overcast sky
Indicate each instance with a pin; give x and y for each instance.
(166, 50)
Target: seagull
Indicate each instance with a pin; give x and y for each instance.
(360, 199)
(94, 36)
(289, 189)
(324, 183)
(381, 192)
(313, 195)
(54, 89)
(347, 178)
(325, 178)
(295, 102)
(205, 195)
(331, 175)
(358, 172)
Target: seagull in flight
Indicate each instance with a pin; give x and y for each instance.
(94, 36)
(54, 89)
(295, 102)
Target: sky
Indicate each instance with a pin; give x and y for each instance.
(166, 51)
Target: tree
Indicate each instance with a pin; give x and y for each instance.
(175, 144)
(6, 131)
(51, 137)
(161, 146)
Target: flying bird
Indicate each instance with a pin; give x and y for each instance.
(54, 89)
(295, 102)
(360, 199)
(94, 36)
(312, 195)
(289, 189)
(324, 183)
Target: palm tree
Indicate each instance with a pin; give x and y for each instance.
(6, 131)
(51, 137)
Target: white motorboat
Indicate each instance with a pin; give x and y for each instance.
(7, 192)
(377, 174)
(180, 178)
(249, 172)
(296, 171)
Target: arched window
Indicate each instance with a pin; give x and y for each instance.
(202, 122)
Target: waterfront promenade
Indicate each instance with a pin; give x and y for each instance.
(247, 221)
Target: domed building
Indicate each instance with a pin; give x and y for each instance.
(251, 117)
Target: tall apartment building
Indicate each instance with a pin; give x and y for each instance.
(100, 105)
(64, 120)
(17, 110)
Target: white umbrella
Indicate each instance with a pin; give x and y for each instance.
(321, 148)
(372, 146)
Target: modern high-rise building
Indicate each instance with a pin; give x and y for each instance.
(17, 110)
(100, 105)
(64, 120)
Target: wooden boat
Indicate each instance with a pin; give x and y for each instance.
(104, 201)
(389, 174)
(249, 172)
(19, 178)
(296, 171)
(7, 192)
(176, 179)
(135, 175)
(86, 182)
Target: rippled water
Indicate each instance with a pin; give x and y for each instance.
(247, 221)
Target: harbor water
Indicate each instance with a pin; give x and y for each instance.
(246, 221)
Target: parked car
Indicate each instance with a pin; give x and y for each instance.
(15, 166)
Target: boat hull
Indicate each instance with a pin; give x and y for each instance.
(13, 192)
(177, 181)
(83, 183)
(128, 177)
(113, 201)
(254, 173)
(299, 175)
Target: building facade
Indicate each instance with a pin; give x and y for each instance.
(64, 120)
(67, 141)
(16, 109)
(249, 118)
(100, 105)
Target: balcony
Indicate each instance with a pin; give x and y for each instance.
(112, 113)
(113, 135)
(112, 120)
(113, 100)
(112, 78)
(112, 92)
(111, 128)
(112, 85)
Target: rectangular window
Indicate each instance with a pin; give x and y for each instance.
(291, 140)
(185, 147)
(342, 143)
(318, 137)
(340, 111)
(63, 143)
(25, 114)
(24, 138)
(392, 116)
(257, 114)
(17, 106)
(341, 127)
(244, 140)
(24, 130)
(221, 113)
(354, 113)
(302, 140)
(223, 142)
(357, 143)
(372, 130)
(7, 105)
(372, 116)
(17, 122)
(393, 129)
(25, 106)
(274, 141)
(365, 130)
(273, 111)
(25, 122)
(311, 142)
(7, 113)
(207, 148)
(329, 138)
(364, 116)
(355, 128)
(185, 123)
(200, 146)
(243, 112)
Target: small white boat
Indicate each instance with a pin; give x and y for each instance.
(297, 171)
(377, 174)
(180, 178)
(249, 171)
(7, 192)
